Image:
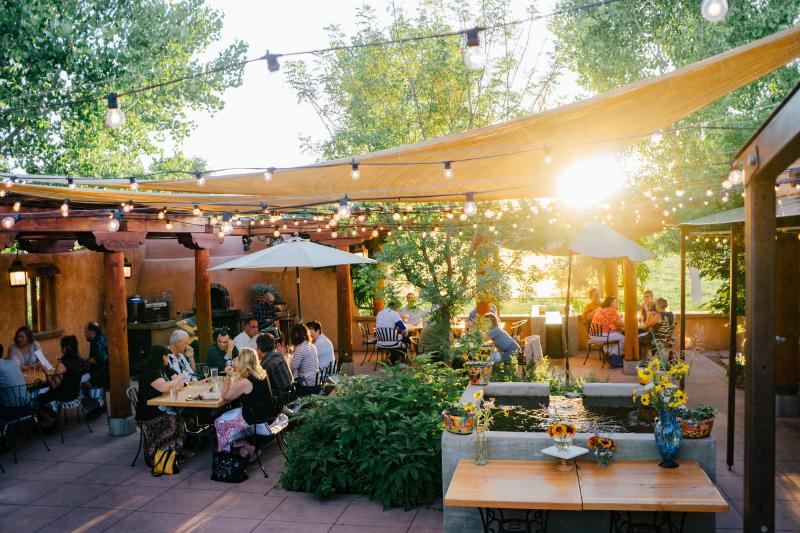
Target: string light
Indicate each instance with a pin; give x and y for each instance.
(168, 225)
(268, 174)
(374, 233)
(114, 221)
(9, 181)
(201, 180)
(679, 193)
(344, 207)
(134, 185)
(470, 207)
(196, 211)
(65, 208)
(354, 172)
(115, 118)
(396, 215)
(714, 10)
(736, 177)
(9, 221)
(656, 136)
(17, 205)
(227, 227)
(71, 183)
(162, 214)
(220, 234)
(726, 183)
(334, 234)
(448, 170)
(272, 62)
(474, 56)
(548, 156)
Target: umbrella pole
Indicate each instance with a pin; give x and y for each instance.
(299, 306)
(566, 313)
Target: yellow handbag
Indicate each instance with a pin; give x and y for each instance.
(164, 463)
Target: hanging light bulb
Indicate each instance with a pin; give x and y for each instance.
(113, 222)
(168, 225)
(9, 221)
(374, 233)
(115, 118)
(361, 217)
(396, 215)
(162, 214)
(65, 208)
(70, 183)
(201, 180)
(268, 174)
(354, 172)
(272, 62)
(548, 157)
(344, 208)
(334, 234)
(489, 213)
(196, 211)
(656, 136)
(474, 56)
(726, 183)
(134, 185)
(3, 193)
(9, 181)
(227, 227)
(679, 193)
(448, 170)
(736, 177)
(714, 10)
(462, 217)
(709, 192)
(220, 234)
(470, 207)
(17, 206)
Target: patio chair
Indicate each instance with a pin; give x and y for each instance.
(132, 393)
(367, 340)
(516, 334)
(598, 341)
(67, 396)
(388, 341)
(276, 428)
(664, 338)
(17, 407)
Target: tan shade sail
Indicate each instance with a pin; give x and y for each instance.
(607, 121)
(601, 242)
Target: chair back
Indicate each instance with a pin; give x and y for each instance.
(596, 330)
(15, 396)
(364, 330)
(132, 394)
(516, 329)
(387, 337)
(663, 334)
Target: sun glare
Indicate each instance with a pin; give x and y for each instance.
(590, 180)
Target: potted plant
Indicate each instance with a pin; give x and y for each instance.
(460, 418)
(663, 395)
(697, 422)
(468, 348)
(603, 449)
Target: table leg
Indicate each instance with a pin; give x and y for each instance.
(623, 522)
(494, 521)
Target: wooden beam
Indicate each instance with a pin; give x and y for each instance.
(71, 225)
(682, 274)
(732, 323)
(202, 296)
(631, 307)
(611, 279)
(116, 318)
(344, 311)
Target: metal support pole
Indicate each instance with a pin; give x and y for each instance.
(732, 319)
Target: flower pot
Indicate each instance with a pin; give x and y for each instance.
(479, 372)
(459, 424)
(667, 432)
(696, 429)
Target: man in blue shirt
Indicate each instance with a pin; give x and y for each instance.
(98, 354)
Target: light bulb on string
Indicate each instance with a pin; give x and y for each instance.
(65, 208)
(9, 221)
(134, 186)
(374, 233)
(9, 181)
(709, 192)
(114, 222)
(344, 208)
(268, 174)
(679, 193)
(200, 179)
(396, 215)
(736, 176)
(196, 211)
(115, 118)
(220, 234)
(162, 214)
(334, 234)
(726, 183)
(70, 183)
(355, 173)
(548, 156)
(227, 227)
(656, 136)
(470, 207)
(17, 206)
(448, 170)
(3, 193)
(714, 10)
(474, 56)
(489, 213)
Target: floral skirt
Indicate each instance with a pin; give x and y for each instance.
(163, 432)
(232, 427)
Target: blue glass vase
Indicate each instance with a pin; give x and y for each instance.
(667, 431)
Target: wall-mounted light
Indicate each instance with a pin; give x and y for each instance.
(17, 275)
(127, 268)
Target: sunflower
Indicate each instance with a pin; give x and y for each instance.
(557, 430)
(645, 399)
(663, 379)
(654, 364)
(678, 399)
(469, 407)
(478, 395)
(506, 411)
(645, 375)
(594, 440)
(607, 443)
(570, 430)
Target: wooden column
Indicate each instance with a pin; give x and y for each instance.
(610, 282)
(682, 339)
(787, 313)
(631, 306)
(116, 318)
(759, 411)
(377, 302)
(344, 311)
(732, 321)
(202, 296)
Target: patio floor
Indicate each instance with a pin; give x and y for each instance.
(86, 484)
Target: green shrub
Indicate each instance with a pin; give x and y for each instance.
(560, 383)
(506, 371)
(379, 436)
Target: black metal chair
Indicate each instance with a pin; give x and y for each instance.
(388, 341)
(68, 396)
(598, 341)
(276, 428)
(133, 397)
(367, 340)
(17, 406)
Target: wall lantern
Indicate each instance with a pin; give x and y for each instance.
(17, 275)
(127, 269)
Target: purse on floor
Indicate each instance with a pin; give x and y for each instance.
(228, 467)
(164, 463)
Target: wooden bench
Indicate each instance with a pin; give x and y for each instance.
(621, 488)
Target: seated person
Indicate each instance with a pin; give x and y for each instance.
(189, 325)
(266, 312)
(304, 362)
(648, 305)
(389, 319)
(411, 313)
(323, 345)
(65, 382)
(273, 360)
(13, 392)
(98, 354)
(506, 347)
(251, 388)
(223, 351)
(247, 338)
(181, 356)
(160, 429)
(610, 324)
(473, 315)
(24, 349)
(594, 304)
(666, 326)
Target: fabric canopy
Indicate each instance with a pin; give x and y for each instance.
(601, 242)
(293, 253)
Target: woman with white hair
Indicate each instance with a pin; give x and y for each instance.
(181, 356)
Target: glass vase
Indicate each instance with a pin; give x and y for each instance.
(603, 457)
(562, 443)
(667, 432)
(481, 447)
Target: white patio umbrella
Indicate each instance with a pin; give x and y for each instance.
(294, 253)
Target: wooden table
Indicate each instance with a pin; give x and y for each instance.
(182, 400)
(534, 486)
(36, 376)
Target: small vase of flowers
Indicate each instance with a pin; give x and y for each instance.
(562, 433)
(484, 414)
(603, 449)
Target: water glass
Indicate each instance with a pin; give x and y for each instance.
(214, 373)
(204, 370)
(173, 394)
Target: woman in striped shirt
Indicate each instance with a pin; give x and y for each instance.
(305, 362)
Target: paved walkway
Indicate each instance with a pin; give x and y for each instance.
(86, 484)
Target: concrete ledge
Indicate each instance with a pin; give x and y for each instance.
(515, 389)
(607, 390)
(121, 427)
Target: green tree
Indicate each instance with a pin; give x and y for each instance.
(624, 42)
(53, 52)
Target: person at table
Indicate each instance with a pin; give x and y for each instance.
(273, 360)
(181, 356)
(411, 312)
(665, 326)
(161, 429)
(505, 345)
(24, 349)
(305, 361)
(473, 315)
(251, 387)
(389, 319)
(647, 306)
(266, 312)
(247, 337)
(594, 304)
(324, 346)
(98, 354)
(65, 382)
(13, 392)
(609, 321)
(223, 351)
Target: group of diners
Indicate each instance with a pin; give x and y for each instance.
(654, 322)
(260, 375)
(50, 384)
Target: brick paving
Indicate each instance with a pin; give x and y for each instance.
(86, 484)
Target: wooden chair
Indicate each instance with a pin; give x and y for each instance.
(598, 341)
(367, 340)
(16, 408)
(516, 334)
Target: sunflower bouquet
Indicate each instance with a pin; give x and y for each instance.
(561, 431)
(603, 449)
(658, 389)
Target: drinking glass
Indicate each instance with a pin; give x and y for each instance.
(173, 394)
(204, 370)
(214, 372)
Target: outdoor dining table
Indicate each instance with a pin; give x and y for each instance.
(621, 488)
(191, 396)
(36, 375)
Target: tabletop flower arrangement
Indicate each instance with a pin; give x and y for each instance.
(603, 449)
(484, 415)
(661, 393)
(561, 431)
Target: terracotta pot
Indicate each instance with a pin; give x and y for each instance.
(697, 429)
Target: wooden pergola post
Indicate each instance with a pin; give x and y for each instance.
(631, 320)
(344, 311)
(202, 296)
(682, 339)
(732, 322)
(610, 279)
(116, 318)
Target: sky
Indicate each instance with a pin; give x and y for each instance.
(262, 121)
